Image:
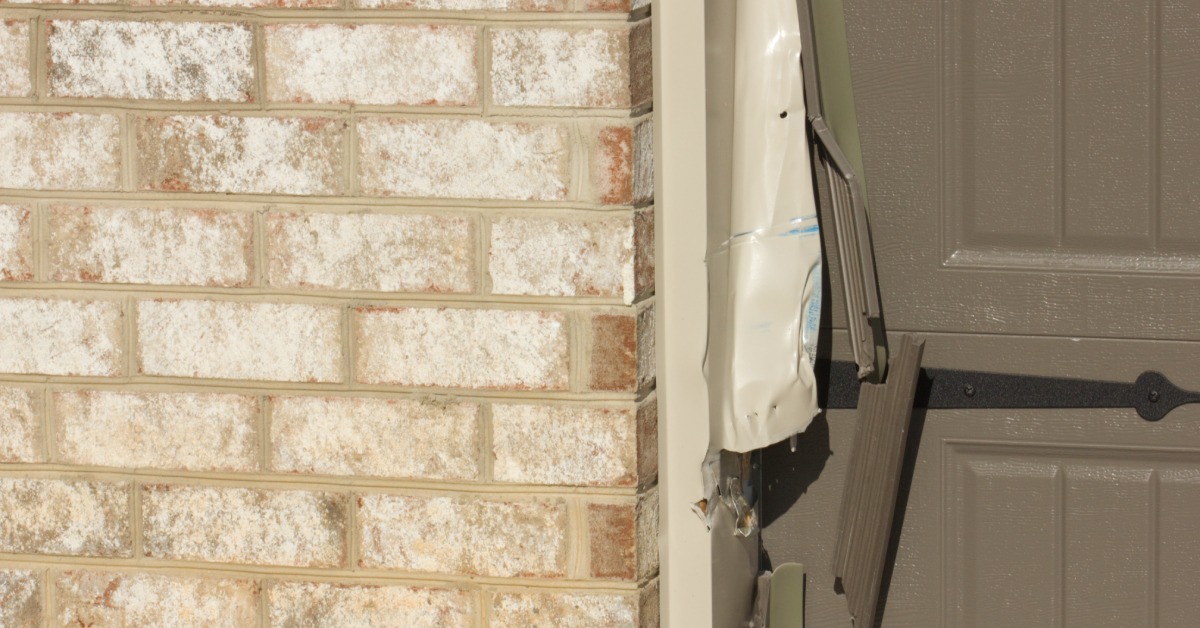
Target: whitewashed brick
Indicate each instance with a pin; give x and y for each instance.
(20, 425)
(624, 538)
(537, 444)
(60, 151)
(16, 243)
(643, 161)
(623, 351)
(194, 431)
(63, 1)
(375, 437)
(193, 61)
(99, 598)
(463, 159)
(564, 610)
(386, 253)
(327, 604)
(20, 598)
(242, 525)
(464, 535)
(555, 67)
(622, 164)
(379, 64)
(15, 77)
(199, 247)
(465, 5)
(61, 337)
(243, 4)
(563, 257)
(460, 348)
(64, 517)
(251, 155)
(222, 339)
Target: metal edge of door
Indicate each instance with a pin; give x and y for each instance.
(735, 558)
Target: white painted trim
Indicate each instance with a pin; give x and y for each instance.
(681, 291)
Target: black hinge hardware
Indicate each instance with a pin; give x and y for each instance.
(1152, 394)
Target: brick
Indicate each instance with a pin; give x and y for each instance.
(61, 337)
(20, 425)
(564, 610)
(643, 252)
(461, 348)
(63, 1)
(648, 606)
(184, 247)
(572, 445)
(248, 155)
(328, 604)
(375, 437)
(15, 78)
(641, 63)
(64, 517)
(643, 162)
(244, 525)
(98, 598)
(193, 431)
(20, 598)
(290, 342)
(563, 257)
(624, 538)
(379, 252)
(243, 4)
(60, 151)
(465, 5)
(556, 67)
(622, 164)
(647, 428)
(464, 535)
(463, 159)
(623, 351)
(190, 61)
(16, 244)
(374, 64)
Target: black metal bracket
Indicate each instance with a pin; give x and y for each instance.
(1152, 394)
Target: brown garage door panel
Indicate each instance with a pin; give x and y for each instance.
(1076, 536)
(1050, 144)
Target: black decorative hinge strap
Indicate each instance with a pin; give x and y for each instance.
(1152, 394)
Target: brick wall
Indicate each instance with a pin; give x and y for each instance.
(327, 312)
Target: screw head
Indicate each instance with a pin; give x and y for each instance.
(969, 390)
(1153, 396)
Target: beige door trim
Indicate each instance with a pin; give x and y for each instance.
(681, 293)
